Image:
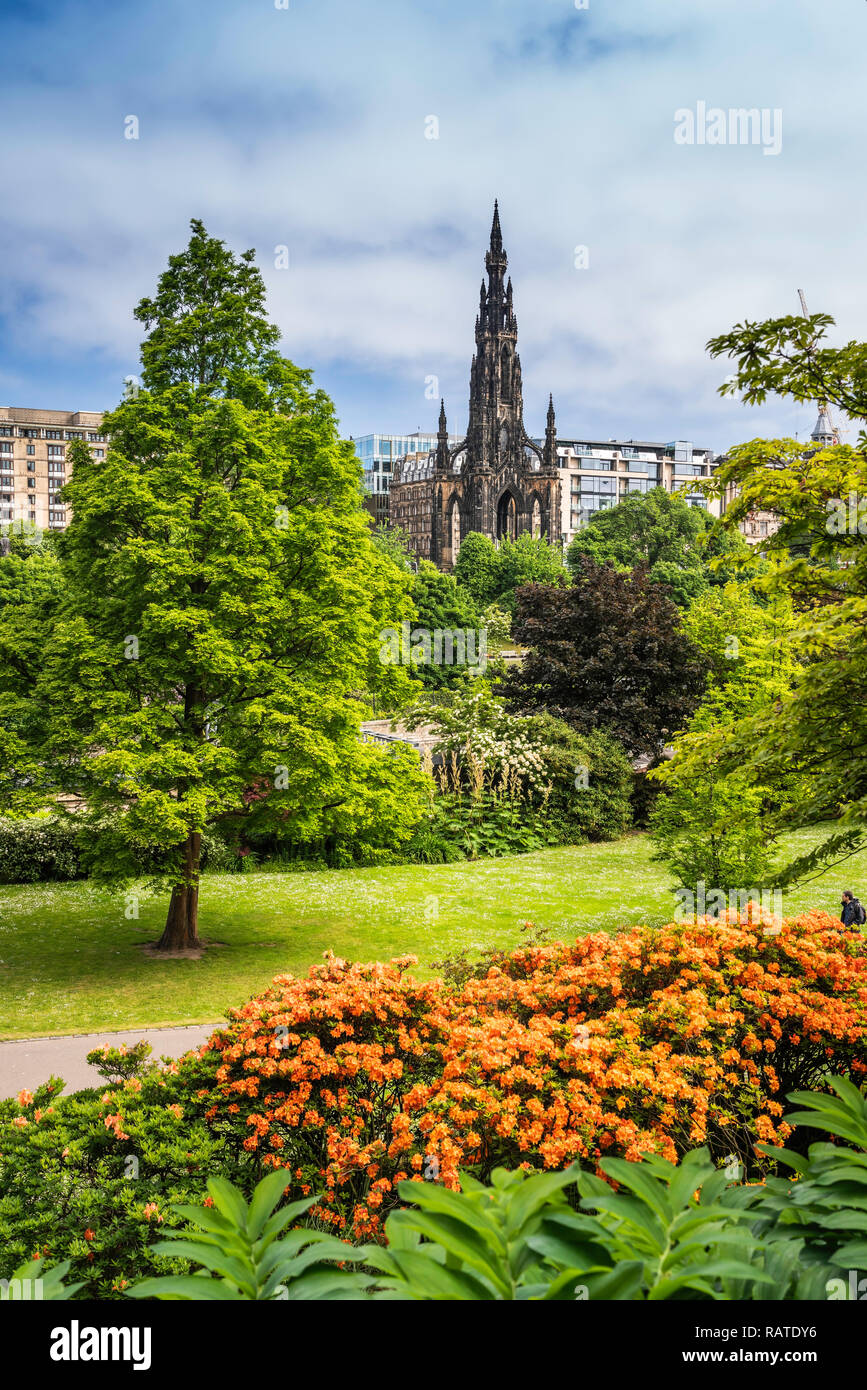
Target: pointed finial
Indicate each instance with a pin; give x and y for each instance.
(442, 416)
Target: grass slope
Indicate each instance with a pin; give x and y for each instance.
(70, 961)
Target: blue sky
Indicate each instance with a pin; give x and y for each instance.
(305, 127)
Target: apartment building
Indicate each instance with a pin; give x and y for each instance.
(598, 474)
(33, 462)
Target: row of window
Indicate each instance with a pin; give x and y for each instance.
(53, 468)
(55, 452)
(92, 438)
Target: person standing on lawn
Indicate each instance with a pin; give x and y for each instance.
(853, 914)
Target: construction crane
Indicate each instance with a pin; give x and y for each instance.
(824, 410)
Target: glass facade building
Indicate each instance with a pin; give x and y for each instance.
(379, 453)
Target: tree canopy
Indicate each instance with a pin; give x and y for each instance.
(608, 652)
(492, 573)
(218, 626)
(674, 541)
(818, 726)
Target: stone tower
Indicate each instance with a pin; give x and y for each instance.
(496, 481)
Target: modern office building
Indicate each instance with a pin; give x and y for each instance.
(380, 452)
(33, 463)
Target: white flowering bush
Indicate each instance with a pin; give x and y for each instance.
(496, 750)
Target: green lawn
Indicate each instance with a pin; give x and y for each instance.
(70, 961)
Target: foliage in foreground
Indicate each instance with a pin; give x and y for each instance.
(358, 1077)
(241, 1257)
(648, 1230)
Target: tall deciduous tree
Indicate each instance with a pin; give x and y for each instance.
(441, 604)
(492, 573)
(609, 652)
(659, 529)
(477, 568)
(222, 598)
(819, 494)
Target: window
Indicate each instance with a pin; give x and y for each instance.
(75, 434)
(31, 482)
(31, 448)
(96, 438)
(53, 434)
(30, 434)
(55, 467)
(586, 461)
(31, 467)
(5, 430)
(55, 451)
(99, 453)
(592, 486)
(5, 448)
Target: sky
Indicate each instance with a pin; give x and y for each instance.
(308, 127)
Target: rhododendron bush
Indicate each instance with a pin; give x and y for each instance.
(360, 1077)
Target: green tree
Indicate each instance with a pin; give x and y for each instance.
(712, 822)
(477, 568)
(492, 573)
(744, 635)
(396, 543)
(714, 830)
(527, 560)
(679, 544)
(222, 598)
(441, 604)
(818, 494)
(609, 652)
(686, 582)
(643, 528)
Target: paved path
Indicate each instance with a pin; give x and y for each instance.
(31, 1061)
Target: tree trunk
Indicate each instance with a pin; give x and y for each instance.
(181, 931)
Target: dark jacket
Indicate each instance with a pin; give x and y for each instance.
(850, 914)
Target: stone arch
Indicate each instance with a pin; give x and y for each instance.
(508, 514)
(536, 515)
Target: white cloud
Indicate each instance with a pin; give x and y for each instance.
(306, 127)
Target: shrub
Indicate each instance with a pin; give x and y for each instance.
(648, 1041)
(650, 1230)
(37, 849)
(359, 1078)
(509, 785)
(90, 1178)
